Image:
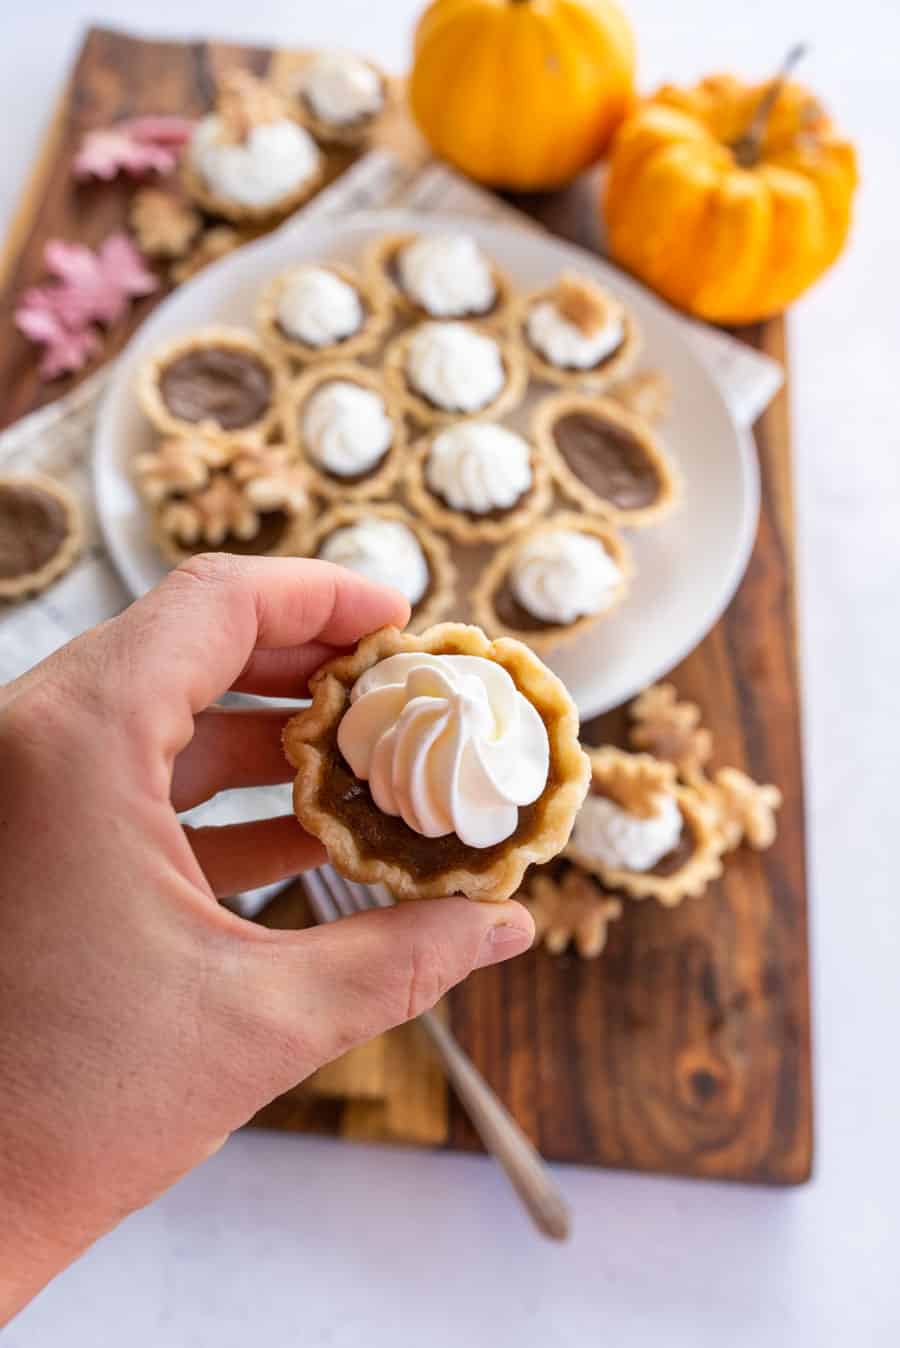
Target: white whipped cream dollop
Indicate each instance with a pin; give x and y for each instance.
(448, 743)
(275, 159)
(479, 467)
(383, 550)
(346, 428)
(562, 343)
(341, 88)
(614, 837)
(448, 275)
(562, 575)
(454, 367)
(319, 307)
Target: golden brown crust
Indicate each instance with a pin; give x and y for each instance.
(298, 392)
(34, 582)
(569, 909)
(441, 570)
(197, 188)
(355, 133)
(427, 413)
(329, 689)
(237, 339)
(460, 525)
(497, 569)
(377, 264)
(622, 361)
(647, 394)
(376, 319)
(670, 728)
(550, 410)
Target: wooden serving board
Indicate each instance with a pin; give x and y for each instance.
(686, 1047)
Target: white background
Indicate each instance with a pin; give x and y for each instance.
(286, 1240)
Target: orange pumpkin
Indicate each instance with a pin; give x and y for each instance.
(729, 199)
(521, 94)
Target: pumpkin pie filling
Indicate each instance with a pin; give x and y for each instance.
(228, 386)
(33, 528)
(607, 459)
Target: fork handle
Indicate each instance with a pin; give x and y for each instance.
(501, 1135)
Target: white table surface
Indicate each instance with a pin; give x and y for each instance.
(287, 1240)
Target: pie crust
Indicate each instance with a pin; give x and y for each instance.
(379, 261)
(353, 133)
(34, 581)
(239, 212)
(376, 318)
(616, 365)
(547, 636)
(428, 413)
(416, 870)
(377, 482)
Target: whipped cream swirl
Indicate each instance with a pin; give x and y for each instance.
(274, 160)
(341, 88)
(562, 343)
(448, 743)
(606, 833)
(346, 428)
(479, 467)
(319, 307)
(454, 367)
(383, 550)
(561, 575)
(448, 275)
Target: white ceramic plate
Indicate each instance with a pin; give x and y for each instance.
(687, 568)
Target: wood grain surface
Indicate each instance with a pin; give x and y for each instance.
(686, 1047)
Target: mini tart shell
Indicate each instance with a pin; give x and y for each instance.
(377, 264)
(33, 582)
(289, 545)
(690, 880)
(442, 572)
(428, 413)
(235, 339)
(358, 132)
(462, 525)
(334, 488)
(375, 322)
(495, 573)
(552, 409)
(561, 799)
(199, 191)
(620, 363)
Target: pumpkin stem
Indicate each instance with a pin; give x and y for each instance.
(747, 149)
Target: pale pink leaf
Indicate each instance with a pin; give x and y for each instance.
(123, 264)
(137, 146)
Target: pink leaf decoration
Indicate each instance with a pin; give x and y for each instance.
(122, 263)
(136, 146)
(64, 350)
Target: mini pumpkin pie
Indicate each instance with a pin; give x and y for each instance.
(570, 571)
(217, 381)
(390, 546)
(41, 533)
(249, 160)
(342, 97)
(443, 372)
(439, 276)
(440, 764)
(347, 429)
(605, 459)
(576, 334)
(321, 311)
(477, 481)
(643, 833)
(258, 503)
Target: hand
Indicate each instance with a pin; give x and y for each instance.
(141, 1022)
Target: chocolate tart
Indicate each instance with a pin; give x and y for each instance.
(218, 381)
(357, 132)
(375, 481)
(376, 319)
(41, 533)
(438, 597)
(381, 264)
(695, 860)
(465, 526)
(597, 378)
(370, 846)
(496, 608)
(428, 413)
(278, 535)
(606, 460)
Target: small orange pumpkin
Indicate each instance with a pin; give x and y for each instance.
(729, 199)
(521, 94)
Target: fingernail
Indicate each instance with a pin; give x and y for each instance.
(502, 943)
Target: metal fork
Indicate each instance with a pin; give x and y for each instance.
(333, 897)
